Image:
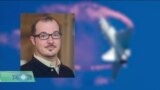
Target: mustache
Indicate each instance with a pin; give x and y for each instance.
(50, 45)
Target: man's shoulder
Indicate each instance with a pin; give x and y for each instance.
(66, 69)
(28, 66)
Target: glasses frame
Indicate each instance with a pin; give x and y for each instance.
(48, 35)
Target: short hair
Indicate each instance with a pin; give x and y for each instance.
(44, 18)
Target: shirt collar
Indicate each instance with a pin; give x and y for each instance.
(48, 63)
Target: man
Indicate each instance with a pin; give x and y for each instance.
(46, 38)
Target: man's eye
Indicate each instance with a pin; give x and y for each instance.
(43, 35)
(56, 34)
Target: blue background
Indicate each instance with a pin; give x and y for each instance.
(143, 67)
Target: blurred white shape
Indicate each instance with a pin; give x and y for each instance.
(22, 62)
(119, 52)
(109, 56)
(126, 54)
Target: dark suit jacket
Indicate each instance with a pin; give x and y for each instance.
(41, 70)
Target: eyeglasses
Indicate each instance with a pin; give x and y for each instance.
(45, 36)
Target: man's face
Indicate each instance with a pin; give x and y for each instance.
(47, 48)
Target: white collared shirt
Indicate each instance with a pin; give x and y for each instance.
(50, 64)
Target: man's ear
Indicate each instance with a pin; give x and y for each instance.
(32, 40)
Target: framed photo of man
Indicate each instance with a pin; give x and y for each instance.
(47, 44)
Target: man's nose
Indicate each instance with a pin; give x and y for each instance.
(50, 39)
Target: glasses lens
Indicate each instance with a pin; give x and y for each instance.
(56, 34)
(43, 36)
